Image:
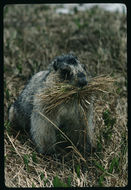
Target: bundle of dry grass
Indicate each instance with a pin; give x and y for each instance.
(63, 93)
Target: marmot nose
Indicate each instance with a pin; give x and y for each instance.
(82, 82)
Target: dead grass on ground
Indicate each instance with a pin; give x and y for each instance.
(33, 36)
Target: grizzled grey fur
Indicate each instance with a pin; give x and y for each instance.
(24, 112)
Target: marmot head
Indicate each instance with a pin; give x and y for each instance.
(70, 70)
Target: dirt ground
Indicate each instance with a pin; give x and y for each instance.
(33, 36)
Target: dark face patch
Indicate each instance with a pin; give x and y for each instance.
(70, 70)
(64, 59)
(66, 73)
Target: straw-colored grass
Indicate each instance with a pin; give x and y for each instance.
(60, 93)
(33, 36)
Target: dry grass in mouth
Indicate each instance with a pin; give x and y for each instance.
(61, 93)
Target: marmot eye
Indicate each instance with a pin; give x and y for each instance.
(66, 74)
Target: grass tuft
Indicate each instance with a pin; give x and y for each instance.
(63, 93)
